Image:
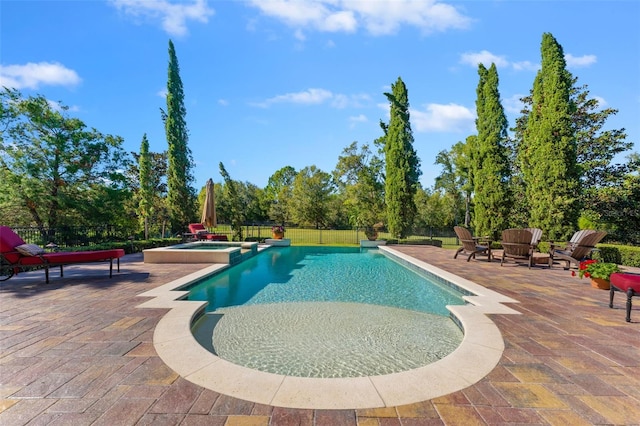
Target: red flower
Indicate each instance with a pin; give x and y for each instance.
(573, 273)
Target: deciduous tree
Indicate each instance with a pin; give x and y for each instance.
(359, 178)
(312, 189)
(55, 168)
(278, 194)
(235, 204)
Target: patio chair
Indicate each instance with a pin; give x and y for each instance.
(580, 251)
(516, 245)
(200, 233)
(472, 246)
(573, 242)
(536, 236)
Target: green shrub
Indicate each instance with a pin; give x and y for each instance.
(619, 254)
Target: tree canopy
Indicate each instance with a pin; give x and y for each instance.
(56, 169)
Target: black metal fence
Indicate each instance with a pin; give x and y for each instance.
(72, 236)
(78, 236)
(300, 236)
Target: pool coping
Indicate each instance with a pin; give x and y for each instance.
(232, 253)
(479, 352)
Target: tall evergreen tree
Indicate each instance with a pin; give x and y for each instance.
(402, 163)
(181, 197)
(145, 195)
(548, 151)
(490, 163)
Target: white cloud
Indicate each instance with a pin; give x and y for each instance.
(378, 17)
(223, 102)
(33, 75)
(579, 61)
(299, 35)
(443, 118)
(513, 104)
(358, 119)
(483, 57)
(315, 97)
(486, 58)
(525, 66)
(172, 16)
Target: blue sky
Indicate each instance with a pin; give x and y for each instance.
(272, 83)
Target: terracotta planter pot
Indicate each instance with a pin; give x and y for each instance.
(600, 283)
(278, 235)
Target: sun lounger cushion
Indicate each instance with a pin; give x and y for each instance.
(29, 249)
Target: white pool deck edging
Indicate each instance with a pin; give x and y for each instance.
(478, 354)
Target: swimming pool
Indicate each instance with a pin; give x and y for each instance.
(326, 312)
(324, 274)
(175, 344)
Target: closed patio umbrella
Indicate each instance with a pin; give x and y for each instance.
(209, 208)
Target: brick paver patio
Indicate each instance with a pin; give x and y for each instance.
(78, 352)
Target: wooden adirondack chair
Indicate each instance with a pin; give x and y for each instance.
(472, 246)
(536, 236)
(580, 251)
(517, 245)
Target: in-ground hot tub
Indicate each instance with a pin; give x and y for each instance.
(229, 252)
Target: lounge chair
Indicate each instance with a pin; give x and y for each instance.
(472, 246)
(516, 245)
(581, 250)
(536, 236)
(201, 233)
(17, 255)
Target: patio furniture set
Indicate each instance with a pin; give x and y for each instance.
(522, 245)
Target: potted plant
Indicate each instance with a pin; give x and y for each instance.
(599, 272)
(277, 231)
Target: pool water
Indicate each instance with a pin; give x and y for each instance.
(330, 274)
(326, 312)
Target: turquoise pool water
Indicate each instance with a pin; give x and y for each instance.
(329, 274)
(326, 312)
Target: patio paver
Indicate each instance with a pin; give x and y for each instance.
(78, 351)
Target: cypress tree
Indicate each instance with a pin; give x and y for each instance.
(490, 161)
(146, 189)
(181, 195)
(548, 153)
(402, 163)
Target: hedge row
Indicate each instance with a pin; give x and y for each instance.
(622, 255)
